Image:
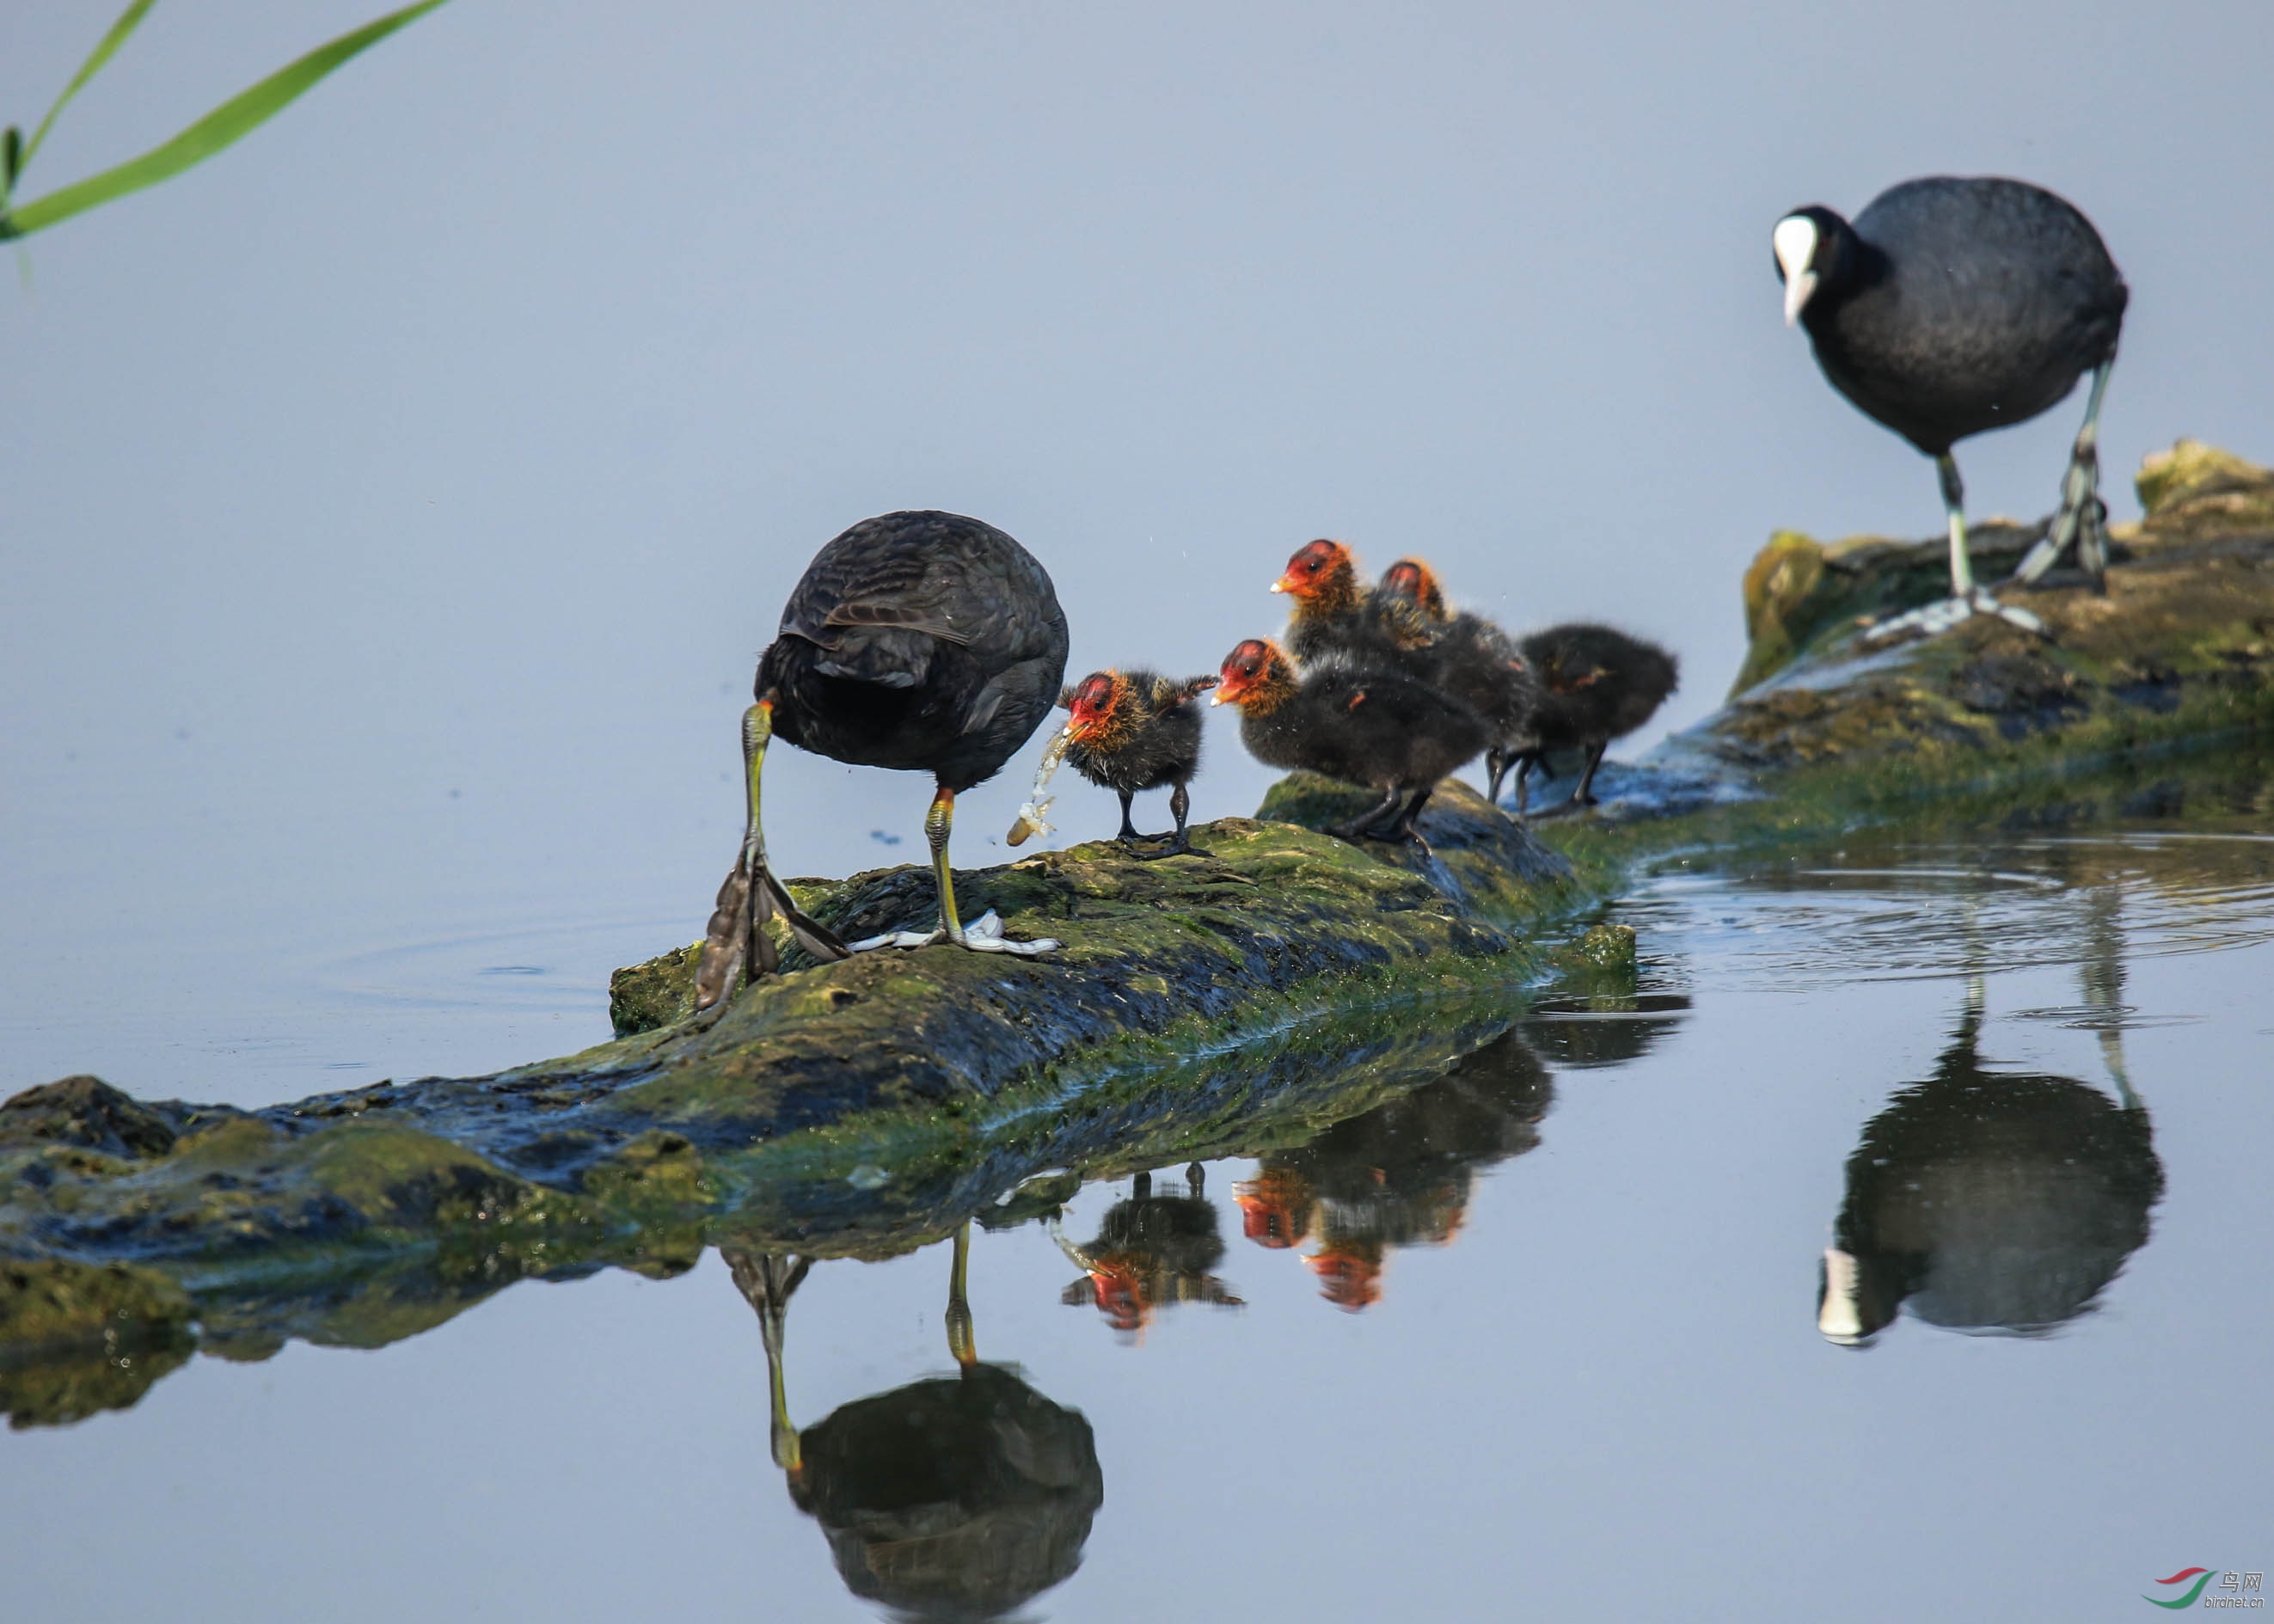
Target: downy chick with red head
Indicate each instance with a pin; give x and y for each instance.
(1380, 728)
(1136, 730)
(1336, 614)
(1474, 661)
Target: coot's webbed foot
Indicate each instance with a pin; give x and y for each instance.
(1932, 620)
(2083, 521)
(1966, 599)
(737, 946)
(985, 937)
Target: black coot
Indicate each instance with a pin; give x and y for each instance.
(958, 1497)
(1988, 1201)
(1952, 306)
(922, 641)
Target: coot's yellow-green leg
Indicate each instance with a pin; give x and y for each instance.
(938, 824)
(1953, 505)
(961, 1342)
(985, 935)
(766, 1282)
(2082, 519)
(1966, 598)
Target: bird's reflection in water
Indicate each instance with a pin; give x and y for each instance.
(1991, 1202)
(1152, 1250)
(1400, 1175)
(957, 1497)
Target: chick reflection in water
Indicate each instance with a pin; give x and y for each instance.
(1991, 1202)
(958, 1497)
(1400, 1175)
(1150, 1251)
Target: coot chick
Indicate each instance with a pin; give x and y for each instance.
(1595, 684)
(922, 641)
(1151, 1250)
(1336, 617)
(1474, 661)
(1952, 306)
(1380, 728)
(1136, 730)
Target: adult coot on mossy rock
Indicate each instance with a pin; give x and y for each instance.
(922, 641)
(1952, 306)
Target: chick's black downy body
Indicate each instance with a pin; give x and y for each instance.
(920, 641)
(1595, 684)
(1135, 730)
(1472, 659)
(1383, 729)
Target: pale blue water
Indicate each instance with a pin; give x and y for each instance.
(1606, 1394)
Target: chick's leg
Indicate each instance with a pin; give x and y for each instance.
(1181, 806)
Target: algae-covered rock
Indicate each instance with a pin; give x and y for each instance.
(2176, 646)
(2192, 475)
(1238, 998)
(88, 1113)
(76, 1338)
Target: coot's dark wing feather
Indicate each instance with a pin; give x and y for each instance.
(1983, 302)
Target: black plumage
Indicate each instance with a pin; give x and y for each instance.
(1380, 728)
(1595, 684)
(1988, 1200)
(1474, 661)
(1135, 730)
(923, 641)
(920, 641)
(1953, 305)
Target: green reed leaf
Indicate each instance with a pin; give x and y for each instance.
(232, 120)
(103, 51)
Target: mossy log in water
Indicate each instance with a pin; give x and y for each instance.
(1232, 1001)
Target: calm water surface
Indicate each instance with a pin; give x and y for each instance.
(1904, 1248)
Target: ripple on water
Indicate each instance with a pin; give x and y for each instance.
(1886, 913)
(533, 968)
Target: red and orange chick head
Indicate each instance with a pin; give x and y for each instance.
(1255, 666)
(1318, 568)
(1350, 1273)
(1410, 577)
(1096, 698)
(1275, 1208)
